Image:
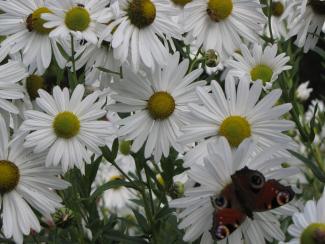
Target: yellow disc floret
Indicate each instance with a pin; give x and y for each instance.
(66, 125)
(34, 21)
(181, 2)
(235, 129)
(262, 72)
(33, 83)
(219, 10)
(141, 13)
(161, 105)
(277, 9)
(313, 234)
(9, 176)
(77, 19)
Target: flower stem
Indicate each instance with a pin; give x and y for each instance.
(73, 61)
(269, 21)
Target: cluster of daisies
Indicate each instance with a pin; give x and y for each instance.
(196, 77)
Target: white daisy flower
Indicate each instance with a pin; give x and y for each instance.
(221, 24)
(238, 114)
(78, 17)
(116, 200)
(307, 23)
(66, 127)
(10, 74)
(259, 64)
(136, 31)
(309, 225)
(278, 20)
(93, 58)
(160, 105)
(22, 25)
(214, 178)
(25, 184)
(303, 92)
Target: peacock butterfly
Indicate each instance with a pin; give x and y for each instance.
(249, 192)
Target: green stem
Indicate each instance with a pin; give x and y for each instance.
(74, 72)
(194, 63)
(269, 20)
(150, 189)
(124, 174)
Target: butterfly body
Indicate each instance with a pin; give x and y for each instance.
(249, 192)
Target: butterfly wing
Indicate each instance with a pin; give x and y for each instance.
(228, 214)
(226, 221)
(257, 194)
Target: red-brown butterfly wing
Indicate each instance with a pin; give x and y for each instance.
(256, 194)
(226, 221)
(228, 214)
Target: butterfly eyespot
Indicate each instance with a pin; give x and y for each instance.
(221, 202)
(283, 197)
(257, 181)
(222, 232)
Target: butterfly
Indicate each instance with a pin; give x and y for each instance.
(249, 192)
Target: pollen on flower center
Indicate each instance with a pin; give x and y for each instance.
(33, 83)
(318, 6)
(161, 105)
(9, 176)
(277, 9)
(313, 234)
(219, 10)
(235, 129)
(34, 21)
(181, 2)
(66, 125)
(77, 19)
(141, 13)
(262, 72)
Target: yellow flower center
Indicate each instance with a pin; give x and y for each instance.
(235, 129)
(262, 72)
(9, 176)
(142, 13)
(313, 234)
(66, 125)
(219, 10)
(116, 177)
(181, 2)
(33, 83)
(77, 19)
(277, 9)
(161, 105)
(318, 6)
(35, 22)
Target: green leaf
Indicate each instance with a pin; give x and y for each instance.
(164, 212)
(110, 155)
(122, 238)
(63, 52)
(142, 221)
(312, 125)
(113, 184)
(314, 168)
